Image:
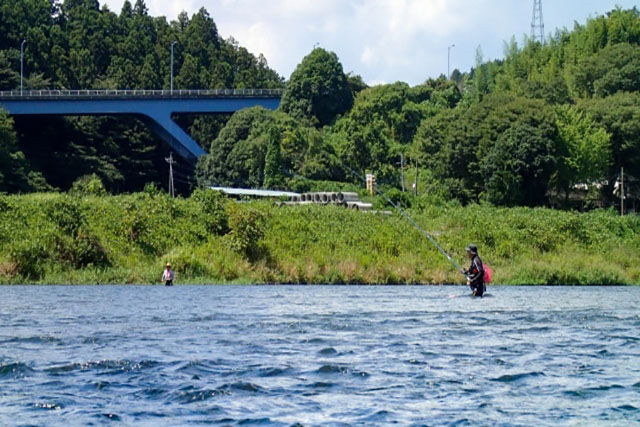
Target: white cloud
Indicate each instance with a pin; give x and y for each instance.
(171, 9)
(258, 38)
(382, 40)
(367, 55)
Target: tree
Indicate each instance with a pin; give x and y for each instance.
(501, 149)
(616, 68)
(619, 115)
(273, 176)
(235, 156)
(318, 89)
(9, 78)
(480, 77)
(518, 167)
(16, 174)
(188, 77)
(584, 152)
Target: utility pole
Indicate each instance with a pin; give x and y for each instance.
(415, 183)
(172, 44)
(172, 191)
(537, 23)
(622, 191)
(449, 60)
(22, 63)
(402, 170)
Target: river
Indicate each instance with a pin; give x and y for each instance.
(281, 355)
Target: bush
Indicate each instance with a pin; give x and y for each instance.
(401, 199)
(65, 213)
(88, 185)
(247, 230)
(84, 250)
(30, 255)
(214, 206)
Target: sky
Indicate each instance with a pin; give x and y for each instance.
(381, 40)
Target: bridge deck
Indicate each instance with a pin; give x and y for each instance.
(141, 93)
(154, 106)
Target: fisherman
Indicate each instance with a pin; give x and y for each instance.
(475, 273)
(168, 275)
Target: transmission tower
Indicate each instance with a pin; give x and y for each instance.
(537, 23)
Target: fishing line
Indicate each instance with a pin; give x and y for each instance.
(403, 213)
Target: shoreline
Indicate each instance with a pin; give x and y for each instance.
(61, 238)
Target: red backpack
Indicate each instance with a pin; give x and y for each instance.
(488, 274)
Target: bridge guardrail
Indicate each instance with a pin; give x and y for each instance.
(140, 93)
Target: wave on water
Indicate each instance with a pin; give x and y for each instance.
(274, 372)
(37, 339)
(589, 392)
(110, 366)
(190, 394)
(625, 408)
(342, 370)
(48, 406)
(15, 370)
(318, 356)
(507, 378)
(328, 351)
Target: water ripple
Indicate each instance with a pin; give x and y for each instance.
(346, 355)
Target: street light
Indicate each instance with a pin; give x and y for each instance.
(449, 60)
(22, 63)
(172, 44)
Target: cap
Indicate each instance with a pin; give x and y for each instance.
(472, 248)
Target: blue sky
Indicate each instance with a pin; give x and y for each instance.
(381, 40)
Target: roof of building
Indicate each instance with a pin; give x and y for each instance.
(252, 192)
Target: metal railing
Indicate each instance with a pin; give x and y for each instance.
(141, 93)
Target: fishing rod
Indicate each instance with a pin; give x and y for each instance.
(404, 214)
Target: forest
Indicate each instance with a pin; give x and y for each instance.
(526, 130)
(78, 44)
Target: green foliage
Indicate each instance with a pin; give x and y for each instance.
(399, 198)
(318, 89)
(236, 157)
(247, 226)
(65, 214)
(15, 170)
(78, 45)
(496, 133)
(126, 239)
(215, 215)
(619, 115)
(615, 68)
(501, 149)
(384, 120)
(585, 153)
(518, 167)
(88, 185)
(273, 174)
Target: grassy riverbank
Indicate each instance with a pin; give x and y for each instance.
(59, 238)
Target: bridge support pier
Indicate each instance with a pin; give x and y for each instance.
(180, 141)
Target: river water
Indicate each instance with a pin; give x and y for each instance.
(281, 355)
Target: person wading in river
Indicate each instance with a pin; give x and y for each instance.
(475, 273)
(168, 275)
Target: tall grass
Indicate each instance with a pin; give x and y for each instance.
(61, 238)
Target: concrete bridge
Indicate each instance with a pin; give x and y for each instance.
(154, 107)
